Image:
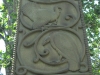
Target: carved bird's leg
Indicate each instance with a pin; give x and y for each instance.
(57, 11)
(47, 40)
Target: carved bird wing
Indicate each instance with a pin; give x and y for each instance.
(68, 48)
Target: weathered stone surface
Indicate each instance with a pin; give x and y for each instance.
(51, 39)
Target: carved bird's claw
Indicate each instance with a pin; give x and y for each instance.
(47, 40)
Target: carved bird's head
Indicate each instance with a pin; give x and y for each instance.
(57, 9)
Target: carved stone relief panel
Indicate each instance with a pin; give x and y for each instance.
(51, 39)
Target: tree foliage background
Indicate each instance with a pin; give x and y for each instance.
(91, 10)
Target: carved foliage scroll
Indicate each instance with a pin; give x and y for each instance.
(51, 39)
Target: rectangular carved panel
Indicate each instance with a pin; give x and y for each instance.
(51, 39)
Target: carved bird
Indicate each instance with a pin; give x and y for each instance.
(67, 47)
(39, 16)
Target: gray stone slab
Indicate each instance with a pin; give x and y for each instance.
(51, 39)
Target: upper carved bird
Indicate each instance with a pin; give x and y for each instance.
(39, 16)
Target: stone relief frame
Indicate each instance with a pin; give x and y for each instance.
(43, 39)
